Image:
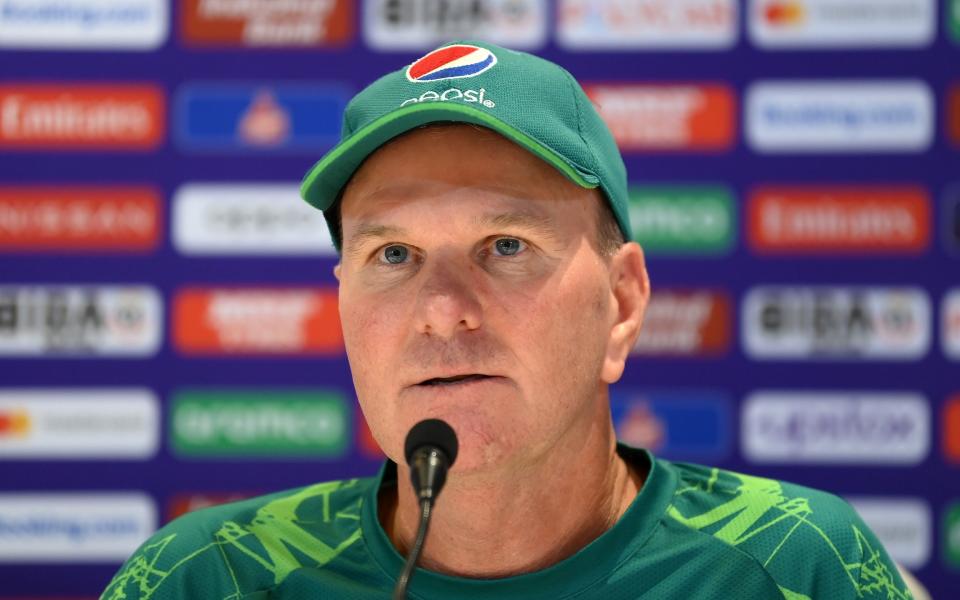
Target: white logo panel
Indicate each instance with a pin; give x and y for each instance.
(80, 320)
(83, 24)
(836, 323)
(842, 23)
(849, 428)
(902, 524)
(73, 527)
(247, 219)
(950, 324)
(419, 24)
(78, 423)
(647, 24)
(850, 116)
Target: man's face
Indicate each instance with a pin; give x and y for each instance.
(471, 290)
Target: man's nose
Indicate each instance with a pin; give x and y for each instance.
(447, 302)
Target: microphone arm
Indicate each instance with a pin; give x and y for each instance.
(400, 590)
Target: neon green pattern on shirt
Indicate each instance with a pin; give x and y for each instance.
(759, 508)
(274, 541)
(693, 533)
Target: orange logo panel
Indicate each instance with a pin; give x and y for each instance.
(667, 117)
(181, 504)
(951, 429)
(257, 321)
(685, 322)
(838, 219)
(74, 117)
(258, 24)
(79, 218)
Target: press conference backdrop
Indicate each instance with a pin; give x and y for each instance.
(169, 334)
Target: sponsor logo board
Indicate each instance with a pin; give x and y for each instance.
(950, 324)
(647, 24)
(78, 423)
(83, 24)
(953, 113)
(842, 23)
(306, 23)
(838, 219)
(951, 536)
(57, 218)
(247, 219)
(416, 24)
(951, 429)
(675, 424)
(683, 219)
(951, 220)
(263, 423)
(80, 320)
(210, 321)
(903, 525)
(835, 428)
(648, 117)
(846, 116)
(836, 323)
(181, 504)
(267, 117)
(953, 20)
(62, 116)
(73, 527)
(694, 322)
(365, 440)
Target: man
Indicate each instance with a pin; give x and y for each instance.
(479, 204)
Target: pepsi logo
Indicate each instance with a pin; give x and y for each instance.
(451, 62)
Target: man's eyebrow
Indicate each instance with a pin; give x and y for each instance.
(533, 221)
(371, 231)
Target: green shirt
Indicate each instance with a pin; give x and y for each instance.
(692, 533)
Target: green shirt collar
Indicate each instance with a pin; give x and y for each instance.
(590, 566)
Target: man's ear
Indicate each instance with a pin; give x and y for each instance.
(630, 288)
(336, 271)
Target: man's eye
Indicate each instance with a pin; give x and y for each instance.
(508, 246)
(395, 254)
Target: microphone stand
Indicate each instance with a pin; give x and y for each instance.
(400, 591)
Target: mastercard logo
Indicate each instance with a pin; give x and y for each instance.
(14, 423)
(784, 13)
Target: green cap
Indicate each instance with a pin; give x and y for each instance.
(531, 101)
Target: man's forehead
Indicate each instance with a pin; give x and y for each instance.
(462, 150)
(489, 180)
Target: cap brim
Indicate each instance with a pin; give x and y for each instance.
(322, 184)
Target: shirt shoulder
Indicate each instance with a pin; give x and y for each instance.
(235, 549)
(811, 543)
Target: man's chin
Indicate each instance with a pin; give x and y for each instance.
(481, 455)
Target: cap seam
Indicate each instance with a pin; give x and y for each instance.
(576, 102)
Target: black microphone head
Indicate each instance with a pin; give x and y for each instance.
(431, 432)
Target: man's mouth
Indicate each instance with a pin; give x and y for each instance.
(439, 381)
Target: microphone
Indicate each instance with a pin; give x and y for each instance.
(430, 449)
